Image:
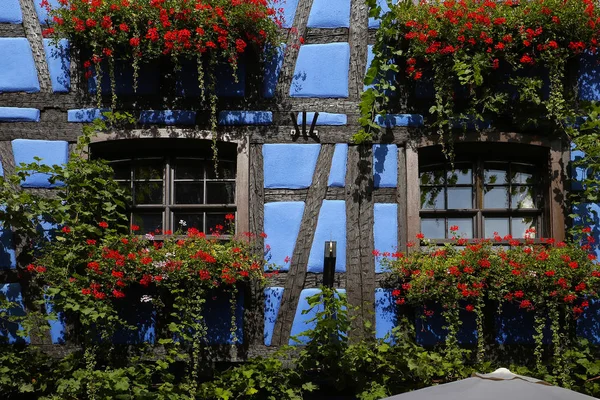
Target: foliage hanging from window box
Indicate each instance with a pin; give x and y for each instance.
(143, 31)
(100, 278)
(485, 59)
(554, 281)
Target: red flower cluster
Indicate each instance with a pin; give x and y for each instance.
(179, 27)
(521, 31)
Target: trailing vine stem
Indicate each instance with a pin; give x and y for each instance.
(554, 315)
(479, 305)
(565, 373)
(213, 113)
(538, 337)
(444, 104)
(200, 78)
(89, 357)
(233, 308)
(113, 83)
(199, 334)
(453, 323)
(136, 64)
(99, 76)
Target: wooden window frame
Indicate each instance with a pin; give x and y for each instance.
(554, 194)
(204, 138)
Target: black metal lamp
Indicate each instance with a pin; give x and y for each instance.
(329, 264)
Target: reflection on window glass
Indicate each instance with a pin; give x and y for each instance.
(215, 221)
(460, 197)
(220, 192)
(432, 177)
(465, 227)
(460, 177)
(189, 192)
(189, 169)
(495, 197)
(522, 197)
(148, 169)
(433, 227)
(499, 225)
(191, 220)
(148, 192)
(494, 177)
(520, 225)
(226, 170)
(432, 198)
(148, 222)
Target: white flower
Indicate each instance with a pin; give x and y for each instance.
(149, 236)
(146, 299)
(182, 222)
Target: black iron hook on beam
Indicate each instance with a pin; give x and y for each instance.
(311, 131)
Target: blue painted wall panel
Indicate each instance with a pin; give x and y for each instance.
(331, 225)
(57, 326)
(217, 315)
(385, 231)
(289, 166)
(374, 22)
(588, 214)
(337, 174)
(579, 173)
(245, 118)
(272, 70)
(288, 8)
(589, 77)
(282, 224)
(8, 258)
(430, 329)
(148, 79)
(391, 120)
(59, 65)
(301, 321)
(370, 57)
(516, 326)
(15, 114)
(42, 12)
(8, 330)
(168, 117)
(588, 325)
(329, 14)
(10, 12)
(85, 115)
(321, 71)
(273, 297)
(51, 153)
(385, 165)
(385, 313)
(187, 80)
(324, 119)
(17, 68)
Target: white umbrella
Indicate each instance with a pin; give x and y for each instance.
(499, 385)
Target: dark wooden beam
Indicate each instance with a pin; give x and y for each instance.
(401, 193)
(254, 314)
(297, 272)
(360, 264)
